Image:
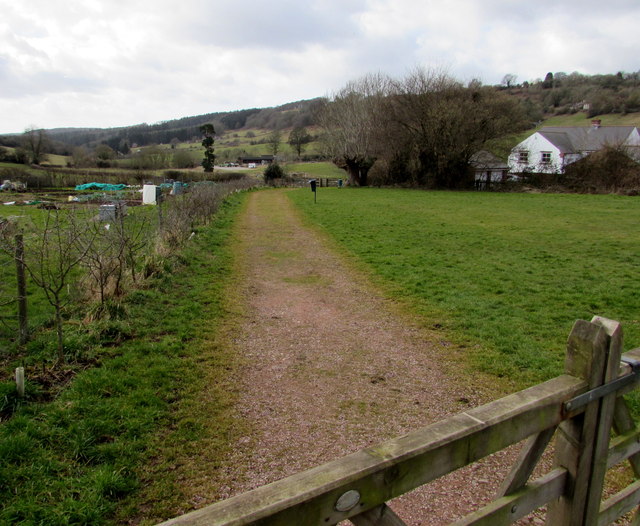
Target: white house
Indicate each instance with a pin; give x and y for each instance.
(552, 148)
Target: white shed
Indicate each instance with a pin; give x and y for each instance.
(150, 194)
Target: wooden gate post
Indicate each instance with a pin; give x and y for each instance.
(605, 421)
(586, 358)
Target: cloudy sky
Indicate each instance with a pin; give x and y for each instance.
(103, 63)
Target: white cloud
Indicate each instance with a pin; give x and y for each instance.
(99, 63)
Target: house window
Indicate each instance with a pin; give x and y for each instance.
(523, 157)
(546, 157)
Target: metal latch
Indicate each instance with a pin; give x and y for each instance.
(605, 389)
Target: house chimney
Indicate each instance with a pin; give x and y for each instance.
(596, 123)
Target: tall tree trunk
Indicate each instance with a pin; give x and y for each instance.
(357, 170)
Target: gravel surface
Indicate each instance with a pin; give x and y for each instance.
(332, 367)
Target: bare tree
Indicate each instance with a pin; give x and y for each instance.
(445, 123)
(273, 142)
(509, 80)
(53, 251)
(103, 255)
(12, 245)
(34, 142)
(132, 231)
(298, 139)
(352, 119)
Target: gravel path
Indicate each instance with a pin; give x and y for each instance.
(332, 367)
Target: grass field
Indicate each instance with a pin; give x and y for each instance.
(322, 169)
(506, 274)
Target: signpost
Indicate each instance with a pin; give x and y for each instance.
(314, 185)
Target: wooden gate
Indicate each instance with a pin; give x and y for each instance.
(580, 408)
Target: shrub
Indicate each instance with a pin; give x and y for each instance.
(608, 170)
(273, 171)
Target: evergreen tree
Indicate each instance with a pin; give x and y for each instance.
(209, 157)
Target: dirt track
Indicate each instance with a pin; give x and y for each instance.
(332, 367)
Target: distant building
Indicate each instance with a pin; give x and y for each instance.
(488, 169)
(256, 160)
(552, 148)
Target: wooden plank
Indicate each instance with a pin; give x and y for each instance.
(397, 466)
(380, 516)
(509, 509)
(605, 420)
(619, 504)
(527, 461)
(623, 423)
(624, 446)
(586, 353)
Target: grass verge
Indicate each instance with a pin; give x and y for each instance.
(88, 457)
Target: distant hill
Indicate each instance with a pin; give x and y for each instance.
(300, 113)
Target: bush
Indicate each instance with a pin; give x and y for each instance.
(16, 173)
(608, 170)
(183, 159)
(273, 171)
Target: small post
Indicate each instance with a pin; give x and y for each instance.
(314, 184)
(20, 381)
(23, 324)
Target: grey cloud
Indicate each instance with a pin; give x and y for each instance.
(16, 86)
(576, 10)
(288, 24)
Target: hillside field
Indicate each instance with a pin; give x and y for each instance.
(505, 274)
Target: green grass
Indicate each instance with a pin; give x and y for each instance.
(505, 274)
(56, 160)
(81, 458)
(321, 169)
(581, 119)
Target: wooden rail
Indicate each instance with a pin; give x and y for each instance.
(358, 486)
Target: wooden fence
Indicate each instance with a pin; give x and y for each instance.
(580, 408)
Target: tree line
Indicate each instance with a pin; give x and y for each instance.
(421, 129)
(566, 93)
(63, 141)
(556, 93)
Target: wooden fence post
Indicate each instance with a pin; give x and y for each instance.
(604, 422)
(586, 352)
(23, 330)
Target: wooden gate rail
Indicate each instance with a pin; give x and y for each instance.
(358, 486)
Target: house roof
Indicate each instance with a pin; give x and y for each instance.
(585, 138)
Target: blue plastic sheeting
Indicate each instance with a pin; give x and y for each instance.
(101, 186)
